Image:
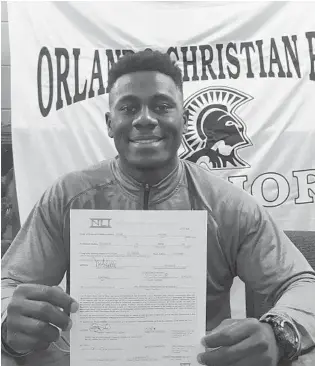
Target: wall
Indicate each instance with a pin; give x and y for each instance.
(5, 67)
(6, 147)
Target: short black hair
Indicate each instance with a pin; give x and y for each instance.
(146, 60)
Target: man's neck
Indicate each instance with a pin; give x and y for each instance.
(148, 176)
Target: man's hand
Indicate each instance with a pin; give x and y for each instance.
(245, 342)
(34, 314)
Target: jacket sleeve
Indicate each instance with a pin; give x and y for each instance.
(37, 254)
(269, 263)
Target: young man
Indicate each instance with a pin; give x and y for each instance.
(146, 121)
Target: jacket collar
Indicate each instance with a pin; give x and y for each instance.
(157, 192)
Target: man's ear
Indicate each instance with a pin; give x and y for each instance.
(185, 118)
(109, 124)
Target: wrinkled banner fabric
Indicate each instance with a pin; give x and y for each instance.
(249, 84)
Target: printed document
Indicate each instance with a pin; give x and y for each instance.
(140, 280)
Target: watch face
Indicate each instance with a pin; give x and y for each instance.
(286, 337)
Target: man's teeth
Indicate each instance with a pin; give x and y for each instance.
(146, 141)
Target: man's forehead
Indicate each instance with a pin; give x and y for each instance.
(143, 82)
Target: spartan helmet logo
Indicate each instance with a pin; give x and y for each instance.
(214, 132)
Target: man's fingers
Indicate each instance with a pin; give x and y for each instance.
(23, 343)
(46, 312)
(53, 295)
(74, 307)
(33, 314)
(45, 332)
(231, 355)
(35, 328)
(230, 333)
(249, 361)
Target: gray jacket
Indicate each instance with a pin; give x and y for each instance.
(243, 240)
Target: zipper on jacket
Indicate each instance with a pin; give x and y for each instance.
(146, 197)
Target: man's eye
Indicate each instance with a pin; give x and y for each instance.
(163, 108)
(128, 109)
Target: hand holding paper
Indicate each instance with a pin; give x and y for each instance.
(240, 342)
(34, 315)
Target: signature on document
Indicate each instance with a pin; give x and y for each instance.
(100, 328)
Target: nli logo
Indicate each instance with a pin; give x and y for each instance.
(215, 132)
(100, 223)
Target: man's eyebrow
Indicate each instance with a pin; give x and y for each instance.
(127, 97)
(132, 97)
(163, 96)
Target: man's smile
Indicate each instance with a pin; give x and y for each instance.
(143, 140)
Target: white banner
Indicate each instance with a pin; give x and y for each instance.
(249, 83)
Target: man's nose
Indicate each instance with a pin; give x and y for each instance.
(145, 119)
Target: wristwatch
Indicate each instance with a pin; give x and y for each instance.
(287, 336)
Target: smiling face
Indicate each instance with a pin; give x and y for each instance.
(146, 120)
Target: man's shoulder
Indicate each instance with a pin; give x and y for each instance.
(208, 178)
(76, 182)
(93, 174)
(215, 187)
(232, 208)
